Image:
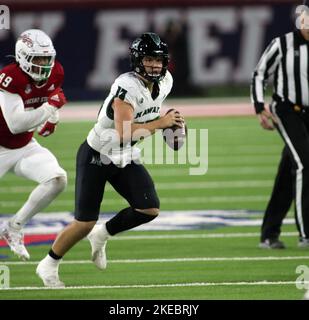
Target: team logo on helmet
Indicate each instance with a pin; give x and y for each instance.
(25, 39)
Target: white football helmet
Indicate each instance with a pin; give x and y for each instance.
(31, 44)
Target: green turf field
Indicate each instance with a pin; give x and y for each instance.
(222, 263)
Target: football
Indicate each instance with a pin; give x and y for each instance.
(175, 136)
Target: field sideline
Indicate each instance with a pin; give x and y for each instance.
(86, 111)
(210, 262)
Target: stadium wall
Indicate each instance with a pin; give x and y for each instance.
(211, 42)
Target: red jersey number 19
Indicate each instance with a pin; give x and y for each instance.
(5, 80)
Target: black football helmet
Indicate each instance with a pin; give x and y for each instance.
(148, 44)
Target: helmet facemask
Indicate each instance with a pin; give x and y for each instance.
(35, 54)
(152, 76)
(39, 71)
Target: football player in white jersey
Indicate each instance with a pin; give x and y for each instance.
(108, 154)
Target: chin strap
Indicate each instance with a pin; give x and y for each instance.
(155, 90)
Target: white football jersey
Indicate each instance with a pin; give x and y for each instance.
(131, 89)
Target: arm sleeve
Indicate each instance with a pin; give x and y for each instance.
(17, 118)
(54, 118)
(264, 69)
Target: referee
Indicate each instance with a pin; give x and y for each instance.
(287, 59)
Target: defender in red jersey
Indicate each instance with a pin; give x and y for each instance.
(30, 97)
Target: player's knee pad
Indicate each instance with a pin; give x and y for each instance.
(148, 201)
(57, 184)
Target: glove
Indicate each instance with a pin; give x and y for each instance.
(47, 129)
(57, 98)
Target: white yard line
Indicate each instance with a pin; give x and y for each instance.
(213, 159)
(168, 186)
(199, 236)
(196, 236)
(163, 200)
(171, 172)
(171, 260)
(164, 285)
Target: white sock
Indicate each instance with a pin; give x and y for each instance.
(39, 199)
(104, 233)
(101, 233)
(51, 261)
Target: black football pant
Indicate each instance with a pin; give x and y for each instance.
(132, 182)
(293, 126)
(280, 200)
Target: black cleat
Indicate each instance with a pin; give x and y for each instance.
(303, 243)
(272, 244)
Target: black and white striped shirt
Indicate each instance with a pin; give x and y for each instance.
(287, 58)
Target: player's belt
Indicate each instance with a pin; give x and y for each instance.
(296, 107)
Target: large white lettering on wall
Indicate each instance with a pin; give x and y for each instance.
(110, 46)
(203, 47)
(254, 21)
(222, 44)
